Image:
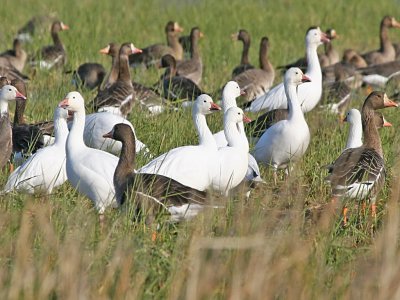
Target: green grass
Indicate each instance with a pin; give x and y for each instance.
(261, 248)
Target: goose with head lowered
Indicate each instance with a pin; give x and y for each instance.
(359, 173)
(150, 191)
(192, 166)
(7, 93)
(309, 94)
(286, 141)
(89, 170)
(44, 170)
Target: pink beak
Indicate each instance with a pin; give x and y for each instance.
(387, 124)
(137, 50)
(64, 103)
(242, 92)
(215, 106)
(324, 38)
(305, 78)
(246, 119)
(19, 95)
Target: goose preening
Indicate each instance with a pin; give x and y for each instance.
(16, 57)
(256, 82)
(152, 54)
(53, 55)
(286, 141)
(7, 93)
(360, 172)
(309, 94)
(244, 36)
(150, 191)
(386, 52)
(89, 75)
(44, 170)
(89, 170)
(192, 165)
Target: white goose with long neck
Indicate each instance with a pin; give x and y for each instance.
(192, 166)
(309, 94)
(44, 170)
(89, 170)
(287, 140)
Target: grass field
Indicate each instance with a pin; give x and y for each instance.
(265, 247)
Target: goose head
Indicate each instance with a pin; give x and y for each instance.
(204, 105)
(111, 49)
(128, 49)
(60, 113)
(331, 34)
(242, 35)
(59, 26)
(352, 116)
(378, 100)
(9, 92)
(173, 27)
(236, 115)
(196, 33)
(295, 76)
(120, 132)
(73, 102)
(316, 37)
(232, 90)
(390, 22)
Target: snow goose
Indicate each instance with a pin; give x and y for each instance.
(150, 191)
(53, 55)
(233, 159)
(44, 170)
(17, 56)
(256, 82)
(7, 93)
(89, 170)
(310, 93)
(360, 172)
(192, 166)
(287, 140)
(152, 54)
(386, 52)
(243, 36)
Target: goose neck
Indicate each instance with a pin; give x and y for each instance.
(75, 136)
(264, 62)
(313, 66)
(228, 101)
(205, 135)
(355, 135)
(371, 134)
(124, 73)
(385, 44)
(234, 133)
(245, 53)
(56, 39)
(114, 70)
(295, 112)
(194, 49)
(126, 162)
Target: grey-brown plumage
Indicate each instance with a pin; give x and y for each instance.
(360, 172)
(5, 139)
(256, 82)
(243, 36)
(152, 54)
(38, 25)
(15, 57)
(89, 75)
(386, 69)
(149, 190)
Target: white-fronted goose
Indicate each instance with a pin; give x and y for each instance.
(243, 36)
(256, 82)
(378, 75)
(7, 93)
(152, 54)
(89, 75)
(386, 52)
(151, 192)
(331, 56)
(53, 55)
(16, 56)
(360, 172)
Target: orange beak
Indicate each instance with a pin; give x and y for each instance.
(215, 106)
(137, 50)
(387, 124)
(105, 50)
(64, 26)
(178, 28)
(390, 103)
(235, 36)
(19, 95)
(305, 78)
(64, 103)
(201, 34)
(246, 119)
(395, 24)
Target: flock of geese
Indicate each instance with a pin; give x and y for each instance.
(84, 148)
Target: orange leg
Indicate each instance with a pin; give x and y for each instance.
(153, 236)
(345, 210)
(11, 167)
(373, 210)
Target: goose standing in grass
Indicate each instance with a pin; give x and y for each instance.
(192, 166)
(256, 82)
(245, 65)
(150, 191)
(53, 55)
(359, 173)
(44, 170)
(16, 56)
(386, 52)
(7, 93)
(309, 94)
(89, 170)
(286, 141)
(152, 54)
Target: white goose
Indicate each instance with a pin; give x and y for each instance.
(89, 170)
(192, 166)
(44, 170)
(233, 159)
(287, 140)
(310, 93)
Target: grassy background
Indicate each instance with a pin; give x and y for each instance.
(264, 247)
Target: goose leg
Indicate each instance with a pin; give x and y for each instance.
(344, 212)
(373, 210)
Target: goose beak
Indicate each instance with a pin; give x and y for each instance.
(388, 102)
(305, 78)
(19, 95)
(345, 119)
(105, 50)
(201, 34)
(324, 38)
(64, 103)
(246, 119)
(386, 123)
(395, 24)
(108, 135)
(64, 26)
(235, 36)
(215, 106)
(136, 50)
(178, 28)
(242, 92)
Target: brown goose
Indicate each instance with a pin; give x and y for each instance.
(38, 25)
(243, 36)
(148, 98)
(386, 52)
(177, 87)
(120, 94)
(152, 54)
(256, 82)
(359, 173)
(193, 67)
(152, 192)
(16, 56)
(53, 55)
(331, 56)
(7, 93)
(89, 75)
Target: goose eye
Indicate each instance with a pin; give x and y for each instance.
(9, 90)
(73, 97)
(205, 101)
